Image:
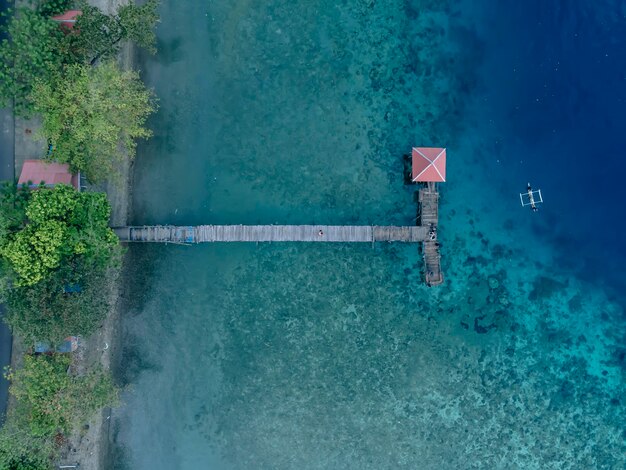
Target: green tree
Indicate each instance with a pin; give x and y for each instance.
(53, 7)
(12, 209)
(101, 35)
(33, 50)
(19, 449)
(37, 250)
(93, 116)
(74, 300)
(51, 400)
(62, 224)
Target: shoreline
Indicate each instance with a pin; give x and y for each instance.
(88, 445)
(91, 447)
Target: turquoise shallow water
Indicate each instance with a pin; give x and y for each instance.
(337, 356)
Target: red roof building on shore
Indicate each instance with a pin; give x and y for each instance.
(428, 164)
(67, 19)
(35, 172)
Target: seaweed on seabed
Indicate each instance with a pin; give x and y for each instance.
(575, 304)
(132, 362)
(545, 287)
(118, 457)
(406, 170)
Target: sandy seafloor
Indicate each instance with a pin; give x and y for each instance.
(337, 356)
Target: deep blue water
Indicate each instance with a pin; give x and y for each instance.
(553, 84)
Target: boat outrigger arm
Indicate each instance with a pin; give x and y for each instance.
(531, 198)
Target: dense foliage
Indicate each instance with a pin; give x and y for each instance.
(74, 300)
(53, 7)
(12, 209)
(101, 35)
(37, 250)
(62, 224)
(58, 257)
(92, 116)
(51, 400)
(19, 449)
(34, 49)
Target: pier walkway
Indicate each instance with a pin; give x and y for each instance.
(428, 217)
(425, 232)
(427, 169)
(272, 233)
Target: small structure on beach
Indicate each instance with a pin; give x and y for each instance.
(39, 172)
(429, 167)
(69, 344)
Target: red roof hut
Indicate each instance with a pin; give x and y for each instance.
(429, 165)
(35, 172)
(67, 19)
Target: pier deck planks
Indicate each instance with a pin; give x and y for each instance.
(272, 233)
(425, 233)
(429, 217)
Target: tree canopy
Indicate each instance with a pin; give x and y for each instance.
(34, 49)
(61, 224)
(12, 209)
(51, 400)
(73, 300)
(57, 254)
(93, 116)
(101, 35)
(19, 450)
(53, 7)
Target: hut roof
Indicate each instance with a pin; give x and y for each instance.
(429, 164)
(69, 344)
(67, 19)
(34, 172)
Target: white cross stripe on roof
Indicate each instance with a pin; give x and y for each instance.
(431, 163)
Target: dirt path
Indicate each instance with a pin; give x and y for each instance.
(88, 446)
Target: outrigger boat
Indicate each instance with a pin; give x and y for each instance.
(531, 198)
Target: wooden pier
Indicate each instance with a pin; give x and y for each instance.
(428, 218)
(425, 232)
(428, 169)
(272, 233)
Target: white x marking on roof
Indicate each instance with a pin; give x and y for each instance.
(431, 162)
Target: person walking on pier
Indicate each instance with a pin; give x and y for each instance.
(432, 234)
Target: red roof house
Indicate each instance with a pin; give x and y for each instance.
(35, 172)
(428, 164)
(67, 19)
